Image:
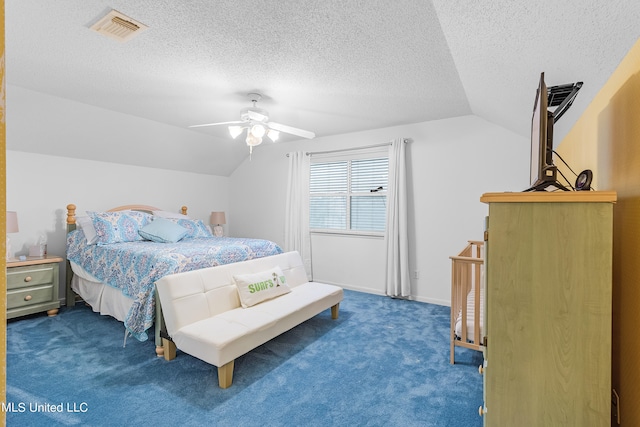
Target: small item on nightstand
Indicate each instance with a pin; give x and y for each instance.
(40, 248)
(35, 251)
(43, 244)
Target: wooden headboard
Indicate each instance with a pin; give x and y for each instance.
(71, 212)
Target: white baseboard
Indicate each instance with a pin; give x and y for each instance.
(379, 292)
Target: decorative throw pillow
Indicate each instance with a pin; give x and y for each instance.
(196, 227)
(117, 227)
(258, 287)
(161, 230)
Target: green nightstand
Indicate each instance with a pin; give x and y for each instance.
(32, 286)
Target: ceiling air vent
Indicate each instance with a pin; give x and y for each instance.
(118, 26)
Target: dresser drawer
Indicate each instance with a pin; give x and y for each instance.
(23, 297)
(19, 277)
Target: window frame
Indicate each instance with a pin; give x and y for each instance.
(364, 154)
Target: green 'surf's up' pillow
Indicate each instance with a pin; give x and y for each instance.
(257, 287)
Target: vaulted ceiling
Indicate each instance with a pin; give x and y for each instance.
(331, 66)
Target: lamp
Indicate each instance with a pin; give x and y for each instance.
(12, 227)
(217, 218)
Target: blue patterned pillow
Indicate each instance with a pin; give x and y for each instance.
(116, 227)
(196, 227)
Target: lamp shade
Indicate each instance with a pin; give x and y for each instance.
(273, 135)
(253, 140)
(12, 222)
(258, 130)
(235, 131)
(217, 218)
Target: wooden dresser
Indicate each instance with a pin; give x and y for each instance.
(32, 286)
(548, 309)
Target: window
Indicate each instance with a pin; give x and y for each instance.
(349, 195)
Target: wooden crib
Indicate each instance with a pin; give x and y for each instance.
(467, 295)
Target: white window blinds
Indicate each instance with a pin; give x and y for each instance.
(349, 194)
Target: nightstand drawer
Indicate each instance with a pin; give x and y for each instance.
(19, 277)
(23, 297)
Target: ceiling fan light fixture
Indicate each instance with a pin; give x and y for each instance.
(235, 131)
(273, 135)
(258, 130)
(256, 121)
(253, 140)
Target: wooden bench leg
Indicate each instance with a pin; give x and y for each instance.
(334, 311)
(169, 349)
(225, 375)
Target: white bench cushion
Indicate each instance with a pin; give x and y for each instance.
(196, 295)
(240, 330)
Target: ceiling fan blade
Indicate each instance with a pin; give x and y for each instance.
(256, 115)
(216, 124)
(293, 131)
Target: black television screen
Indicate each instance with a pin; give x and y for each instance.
(539, 135)
(543, 173)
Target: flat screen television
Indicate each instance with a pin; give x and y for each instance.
(543, 173)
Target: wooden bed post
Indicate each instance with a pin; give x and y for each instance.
(71, 215)
(69, 295)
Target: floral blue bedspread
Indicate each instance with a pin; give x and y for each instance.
(134, 267)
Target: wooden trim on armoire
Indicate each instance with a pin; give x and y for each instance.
(551, 197)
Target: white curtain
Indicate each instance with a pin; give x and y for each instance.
(296, 227)
(398, 283)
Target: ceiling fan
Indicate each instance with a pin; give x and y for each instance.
(256, 121)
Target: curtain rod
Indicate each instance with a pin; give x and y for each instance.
(311, 153)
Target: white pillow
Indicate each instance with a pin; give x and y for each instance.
(168, 214)
(258, 287)
(86, 225)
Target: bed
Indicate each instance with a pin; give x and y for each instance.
(114, 269)
(467, 298)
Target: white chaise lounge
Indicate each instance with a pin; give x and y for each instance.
(204, 316)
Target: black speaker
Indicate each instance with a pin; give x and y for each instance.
(583, 182)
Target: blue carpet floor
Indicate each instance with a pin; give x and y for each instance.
(384, 362)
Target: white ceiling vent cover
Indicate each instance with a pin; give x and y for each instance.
(118, 26)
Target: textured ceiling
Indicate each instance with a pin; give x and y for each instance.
(501, 46)
(332, 66)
